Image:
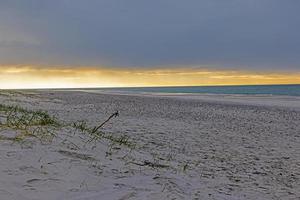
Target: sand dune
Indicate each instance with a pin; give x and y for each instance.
(160, 147)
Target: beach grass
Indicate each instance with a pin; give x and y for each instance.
(96, 134)
(34, 123)
(19, 117)
(40, 124)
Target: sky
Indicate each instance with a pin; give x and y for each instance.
(108, 43)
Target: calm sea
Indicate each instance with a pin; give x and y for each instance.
(290, 90)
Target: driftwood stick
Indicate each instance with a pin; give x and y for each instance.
(151, 164)
(116, 114)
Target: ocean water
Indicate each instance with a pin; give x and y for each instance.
(288, 90)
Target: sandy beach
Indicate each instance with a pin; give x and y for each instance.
(159, 147)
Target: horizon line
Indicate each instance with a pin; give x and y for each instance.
(167, 86)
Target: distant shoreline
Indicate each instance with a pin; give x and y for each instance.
(239, 90)
(279, 101)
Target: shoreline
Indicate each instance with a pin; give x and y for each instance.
(280, 101)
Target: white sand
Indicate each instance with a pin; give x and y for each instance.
(215, 147)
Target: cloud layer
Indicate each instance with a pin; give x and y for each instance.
(70, 77)
(257, 34)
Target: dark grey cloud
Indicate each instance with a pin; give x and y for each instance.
(256, 34)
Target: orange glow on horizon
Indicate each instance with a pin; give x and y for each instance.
(23, 77)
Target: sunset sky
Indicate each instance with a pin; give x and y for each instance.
(116, 43)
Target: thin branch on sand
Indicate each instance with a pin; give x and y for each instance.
(116, 114)
(151, 164)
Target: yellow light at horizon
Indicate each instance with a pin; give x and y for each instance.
(15, 77)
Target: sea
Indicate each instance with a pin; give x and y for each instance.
(269, 90)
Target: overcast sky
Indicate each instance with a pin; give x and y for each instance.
(241, 34)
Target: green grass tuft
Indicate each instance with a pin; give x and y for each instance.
(29, 122)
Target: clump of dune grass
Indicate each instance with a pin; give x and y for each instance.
(95, 133)
(122, 140)
(40, 124)
(18, 117)
(81, 126)
(29, 122)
